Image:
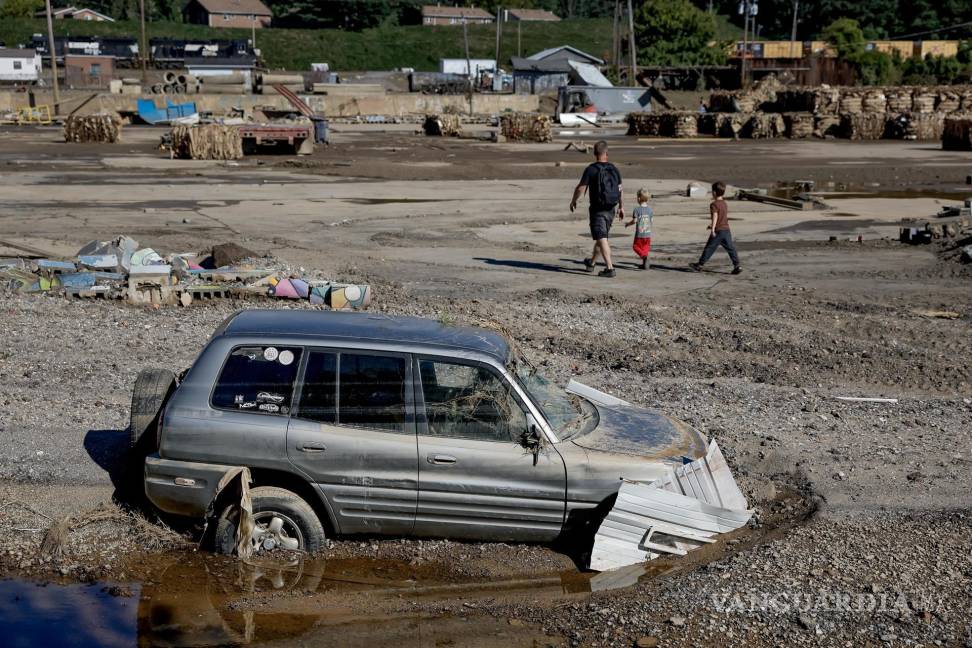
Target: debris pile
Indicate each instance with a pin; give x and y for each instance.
(446, 125)
(121, 269)
(103, 127)
(526, 127)
(771, 110)
(207, 142)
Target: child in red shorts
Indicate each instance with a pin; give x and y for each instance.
(641, 218)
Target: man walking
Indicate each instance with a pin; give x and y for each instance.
(602, 182)
(719, 233)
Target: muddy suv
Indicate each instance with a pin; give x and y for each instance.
(353, 423)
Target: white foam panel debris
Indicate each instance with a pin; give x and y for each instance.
(671, 516)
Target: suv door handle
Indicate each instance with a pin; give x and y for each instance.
(441, 459)
(312, 447)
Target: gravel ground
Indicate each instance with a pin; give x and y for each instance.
(757, 366)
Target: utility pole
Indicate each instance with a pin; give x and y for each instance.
(469, 72)
(796, 12)
(631, 45)
(519, 49)
(143, 46)
(499, 22)
(616, 42)
(50, 45)
(252, 31)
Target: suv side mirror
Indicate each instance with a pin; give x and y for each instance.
(531, 438)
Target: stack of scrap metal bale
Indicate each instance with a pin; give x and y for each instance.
(526, 127)
(772, 110)
(207, 142)
(102, 127)
(121, 269)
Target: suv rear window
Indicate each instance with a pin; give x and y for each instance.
(258, 379)
(355, 389)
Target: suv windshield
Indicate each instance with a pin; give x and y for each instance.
(567, 413)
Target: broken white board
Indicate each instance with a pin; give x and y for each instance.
(594, 395)
(672, 515)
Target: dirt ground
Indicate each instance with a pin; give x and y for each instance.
(862, 528)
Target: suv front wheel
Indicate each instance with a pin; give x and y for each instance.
(281, 520)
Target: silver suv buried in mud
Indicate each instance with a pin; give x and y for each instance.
(353, 423)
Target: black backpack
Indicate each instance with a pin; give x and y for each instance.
(608, 191)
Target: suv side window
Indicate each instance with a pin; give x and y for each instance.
(258, 379)
(469, 402)
(354, 389)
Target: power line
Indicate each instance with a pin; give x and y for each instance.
(932, 31)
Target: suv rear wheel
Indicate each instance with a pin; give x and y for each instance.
(152, 388)
(281, 520)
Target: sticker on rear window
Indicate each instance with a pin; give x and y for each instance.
(286, 357)
(270, 353)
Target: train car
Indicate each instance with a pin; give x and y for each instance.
(165, 53)
(173, 52)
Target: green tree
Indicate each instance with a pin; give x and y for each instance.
(846, 36)
(20, 8)
(675, 32)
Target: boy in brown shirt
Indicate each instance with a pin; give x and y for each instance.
(719, 233)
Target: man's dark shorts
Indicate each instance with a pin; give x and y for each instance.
(601, 220)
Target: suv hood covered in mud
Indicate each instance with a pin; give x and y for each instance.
(632, 430)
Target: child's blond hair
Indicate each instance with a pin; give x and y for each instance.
(643, 195)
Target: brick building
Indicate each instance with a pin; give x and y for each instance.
(227, 13)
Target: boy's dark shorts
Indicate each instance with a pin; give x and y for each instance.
(601, 221)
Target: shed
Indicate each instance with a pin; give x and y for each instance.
(439, 15)
(83, 71)
(530, 15)
(19, 65)
(566, 53)
(535, 77)
(228, 13)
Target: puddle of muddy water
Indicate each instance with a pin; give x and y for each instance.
(203, 600)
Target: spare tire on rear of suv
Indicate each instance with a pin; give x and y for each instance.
(152, 387)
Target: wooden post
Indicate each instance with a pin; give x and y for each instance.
(745, 52)
(796, 12)
(633, 54)
(616, 41)
(143, 47)
(50, 45)
(252, 31)
(519, 50)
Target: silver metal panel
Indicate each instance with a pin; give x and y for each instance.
(189, 499)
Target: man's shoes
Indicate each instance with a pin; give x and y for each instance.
(696, 266)
(589, 264)
(608, 272)
(737, 270)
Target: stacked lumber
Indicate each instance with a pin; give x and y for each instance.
(874, 101)
(924, 100)
(862, 126)
(526, 127)
(799, 125)
(207, 142)
(764, 125)
(103, 127)
(442, 125)
(957, 133)
(899, 99)
(645, 124)
(681, 124)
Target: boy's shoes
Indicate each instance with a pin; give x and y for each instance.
(737, 270)
(644, 265)
(609, 272)
(589, 264)
(696, 266)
